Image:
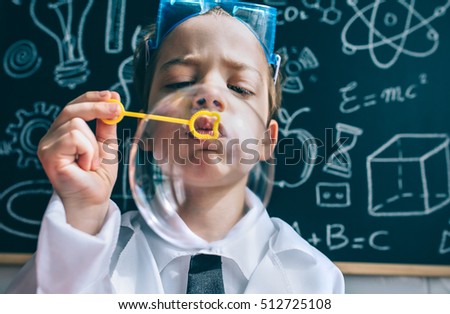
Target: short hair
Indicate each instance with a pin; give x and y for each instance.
(145, 61)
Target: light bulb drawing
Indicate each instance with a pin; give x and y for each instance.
(64, 21)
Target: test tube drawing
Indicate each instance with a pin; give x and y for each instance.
(125, 72)
(115, 24)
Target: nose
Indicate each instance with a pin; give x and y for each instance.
(209, 98)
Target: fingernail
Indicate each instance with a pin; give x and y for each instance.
(114, 107)
(104, 93)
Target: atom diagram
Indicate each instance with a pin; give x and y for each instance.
(394, 28)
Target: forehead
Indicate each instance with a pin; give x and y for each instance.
(215, 36)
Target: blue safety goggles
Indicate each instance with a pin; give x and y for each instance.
(260, 19)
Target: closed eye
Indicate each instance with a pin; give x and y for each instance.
(179, 85)
(240, 90)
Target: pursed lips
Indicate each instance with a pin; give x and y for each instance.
(204, 125)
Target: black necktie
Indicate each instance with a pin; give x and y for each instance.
(205, 275)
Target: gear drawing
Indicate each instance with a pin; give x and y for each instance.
(27, 132)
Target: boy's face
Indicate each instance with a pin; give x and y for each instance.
(225, 60)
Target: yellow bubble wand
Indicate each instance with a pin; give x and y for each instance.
(190, 122)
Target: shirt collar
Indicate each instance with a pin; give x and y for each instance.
(245, 243)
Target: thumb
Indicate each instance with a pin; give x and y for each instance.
(107, 138)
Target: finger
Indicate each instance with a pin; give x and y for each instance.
(106, 135)
(95, 96)
(107, 138)
(84, 150)
(81, 126)
(92, 96)
(87, 111)
(65, 150)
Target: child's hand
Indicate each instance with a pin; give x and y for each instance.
(82, 166)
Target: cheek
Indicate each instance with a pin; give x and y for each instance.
(168, 139)
(251, 119)
(261, 106)
(246, 139)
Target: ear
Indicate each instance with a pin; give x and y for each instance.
(270, 140)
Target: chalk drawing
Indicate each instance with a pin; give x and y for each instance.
(296, 62)
(27, 132)
(115, 24)
(5, 148)
(21, 60)
(444, 246)
(330, 14)
(314, 239)
(352, 102)
(335, 238)
(393, 28)
(125, 73)
(20, 202)
(303, 145)
(409, 175)
(333, 195)
(339, 163)
(289, 13)
(296, 227)
(72, 68)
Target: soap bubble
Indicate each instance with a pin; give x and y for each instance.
(173, 173)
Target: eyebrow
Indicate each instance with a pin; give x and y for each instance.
(240, 66)
(192, 60)
(183, 60)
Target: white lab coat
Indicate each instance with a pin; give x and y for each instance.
(70, 261)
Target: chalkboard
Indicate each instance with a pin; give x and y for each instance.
(363, 161)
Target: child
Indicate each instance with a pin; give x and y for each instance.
(85, 246)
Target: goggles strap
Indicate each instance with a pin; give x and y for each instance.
(277, 68)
